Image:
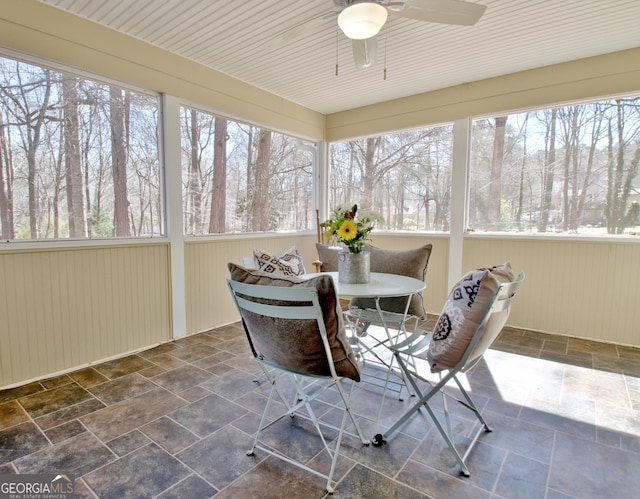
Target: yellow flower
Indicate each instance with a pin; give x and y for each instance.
(348, 230)
(329, 232)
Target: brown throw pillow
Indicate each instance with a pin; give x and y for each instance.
(328, 255)
(296, 344)
(411, 263)
(463, 311)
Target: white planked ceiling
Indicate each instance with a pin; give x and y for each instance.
(230, 37)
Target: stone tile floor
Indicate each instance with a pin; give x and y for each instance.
(176, 420)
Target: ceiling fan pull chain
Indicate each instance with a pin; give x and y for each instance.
(337, 53)
(384, 76)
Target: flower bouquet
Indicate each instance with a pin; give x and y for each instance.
(349, 227)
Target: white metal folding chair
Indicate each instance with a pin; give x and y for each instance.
(289, 340)
(418, 348)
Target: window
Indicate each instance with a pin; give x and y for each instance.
(571, 169)
(404, 176)
(241, 178)
(78, 158)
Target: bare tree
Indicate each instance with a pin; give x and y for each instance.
(521, 179)
(548, 172)
(73, 158)
(259, 203)
(618, 212)
(218, 189)
(495, 181)
(29, 103)
(194, 187)
(119, 117)
(380, 172)
(372, 172)
(6, 174)
(577, 168)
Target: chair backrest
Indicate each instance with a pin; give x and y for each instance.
(477, 303)
(294, 324)
(412, 263)
(492, 324)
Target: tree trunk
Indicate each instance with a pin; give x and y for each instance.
(548, 173)
(119, 111)
(34, 123)
(523, 167)
(595, 134)
(73, 159)
(194, 189)
(618, 214)
(566, 185)
(58, 179)
(495, 182)
(218, 188)
(370, 176)
(260, 202)
(6, 219)
(400, 192)
(247, 209)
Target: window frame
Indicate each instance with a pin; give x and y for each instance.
(63, 243)
(317, 167)
(377, 230)
(608, 238)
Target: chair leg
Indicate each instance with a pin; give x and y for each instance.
(472, 406)
(445, 430)
(304, 398)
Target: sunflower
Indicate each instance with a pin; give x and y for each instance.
(348, 230)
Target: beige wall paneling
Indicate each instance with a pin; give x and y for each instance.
(62, 309)
(208, 300)
(582, 288)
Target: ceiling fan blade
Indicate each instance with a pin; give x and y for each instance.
(364, 52)
(300, 29)
(456, 12)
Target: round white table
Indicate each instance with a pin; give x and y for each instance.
(380, 286)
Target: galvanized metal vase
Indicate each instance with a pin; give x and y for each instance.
(353, 268)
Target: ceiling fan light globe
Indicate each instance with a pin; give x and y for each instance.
(362, 20)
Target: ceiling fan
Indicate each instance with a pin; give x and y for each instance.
(361, 21)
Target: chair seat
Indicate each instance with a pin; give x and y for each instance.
(392, 319)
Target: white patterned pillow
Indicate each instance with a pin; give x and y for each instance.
(503, 273)
(463, 311)
(288, 263)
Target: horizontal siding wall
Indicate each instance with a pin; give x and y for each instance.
(62, 309)
(207, 297)
(208, 301)
(587, 289)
